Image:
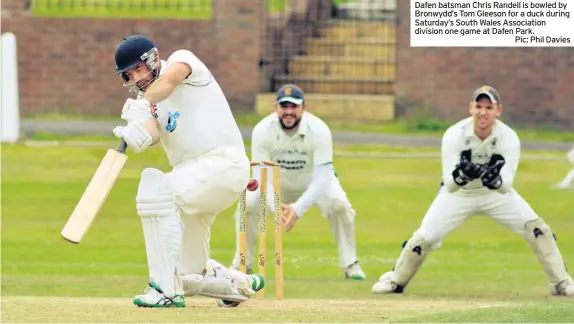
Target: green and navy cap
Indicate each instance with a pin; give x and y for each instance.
(487, 91)
(290, 93)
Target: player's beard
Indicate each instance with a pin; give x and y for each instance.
(145, 83)
(297, 120)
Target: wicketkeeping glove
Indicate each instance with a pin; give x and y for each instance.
(491, 177)
(465, 170)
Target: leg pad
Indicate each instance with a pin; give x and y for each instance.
(162, 229)
(542, 241)
(412, 257)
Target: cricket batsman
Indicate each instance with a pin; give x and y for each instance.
(480, 156)
(302, 145)
(181, 106)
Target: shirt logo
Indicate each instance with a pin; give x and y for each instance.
(292, 164)
(154, 111)
(172, 121)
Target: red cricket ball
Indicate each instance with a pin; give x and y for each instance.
(252, 185)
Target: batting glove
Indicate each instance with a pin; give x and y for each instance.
(135, 134)
(136, 110)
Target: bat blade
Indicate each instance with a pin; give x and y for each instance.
(95, 195)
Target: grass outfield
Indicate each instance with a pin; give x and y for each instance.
(481, 274)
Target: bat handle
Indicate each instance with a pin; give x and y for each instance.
(122, 147)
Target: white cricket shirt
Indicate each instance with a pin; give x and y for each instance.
(298, 153)
(196, 117)
(461, 136)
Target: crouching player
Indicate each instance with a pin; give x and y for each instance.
(480, 157)
(181, 105)
(302, 145)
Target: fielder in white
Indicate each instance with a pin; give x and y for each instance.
(480, 156)
(181, 106)
(566, 183)
(302, 145)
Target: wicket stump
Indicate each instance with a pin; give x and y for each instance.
(278, 227)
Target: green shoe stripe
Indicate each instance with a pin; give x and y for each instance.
(177, 301)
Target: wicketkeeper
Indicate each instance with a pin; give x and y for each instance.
(480, 156)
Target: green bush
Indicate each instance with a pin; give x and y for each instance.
(280, 5)
(153, 9)
(427, 123)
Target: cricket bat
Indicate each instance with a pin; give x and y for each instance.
(95, 194)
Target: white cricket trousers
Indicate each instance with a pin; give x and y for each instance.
(450, 210)
(203, 188)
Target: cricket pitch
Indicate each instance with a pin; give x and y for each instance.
(18, 309)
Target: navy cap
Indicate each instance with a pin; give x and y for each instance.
(488, 91)
(290, 93)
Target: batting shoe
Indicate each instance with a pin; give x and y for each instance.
(257, 283)
(563, 288)
(354, 272)
(153, 297)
